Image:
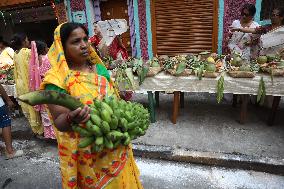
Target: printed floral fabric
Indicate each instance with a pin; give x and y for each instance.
(80, 168)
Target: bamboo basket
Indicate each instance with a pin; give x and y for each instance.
(241, 74)
(211, 74)
(274, 71)
(185, 73)
(153, 71)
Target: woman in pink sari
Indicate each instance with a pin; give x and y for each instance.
(39, 65)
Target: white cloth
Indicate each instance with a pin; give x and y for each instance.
(6, 57)
(238, 40)
(111, 28)
(273, 41)
(2, 103)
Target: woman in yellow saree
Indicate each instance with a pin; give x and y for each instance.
(77, 70)
(20, 44)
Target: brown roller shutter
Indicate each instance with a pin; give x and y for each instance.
(184, 26)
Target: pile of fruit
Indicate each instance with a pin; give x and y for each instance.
(7, 74)
(113, 122)
(198, 64)
(239, 64)
(270, 62)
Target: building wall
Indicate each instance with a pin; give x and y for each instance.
(140, 22)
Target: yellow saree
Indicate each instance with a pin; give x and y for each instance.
(21, 75)
(111, 169)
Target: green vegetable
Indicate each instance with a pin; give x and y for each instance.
(261, 93)
(180, 68)
(51, 97)
(86, 142)
(220, 89)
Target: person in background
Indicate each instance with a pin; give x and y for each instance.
(38, 66)
(239, 42)
(6, 54)
(21, 45)
(277, 21)
(5, 125)
(115, 50)
(77, 70)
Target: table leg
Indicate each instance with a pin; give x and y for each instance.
(244, 109)
(175, 106)
(157, 98)
(272, 113)
(151, 107)
(182, 99)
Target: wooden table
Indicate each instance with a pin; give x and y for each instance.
(178, 85)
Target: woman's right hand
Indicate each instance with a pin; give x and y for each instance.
(80, 115)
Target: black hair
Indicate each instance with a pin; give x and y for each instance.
(41, 46)
(250, 7)
(67, 28)
(4, 42)
(281, 13)
(17, 40)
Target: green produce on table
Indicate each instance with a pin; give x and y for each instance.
(210, 67)
(245, 68)
(112, 122)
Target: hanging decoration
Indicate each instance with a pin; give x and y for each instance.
(2, 14)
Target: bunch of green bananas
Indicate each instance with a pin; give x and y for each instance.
(113, 122)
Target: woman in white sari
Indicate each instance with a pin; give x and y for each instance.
(241, 43)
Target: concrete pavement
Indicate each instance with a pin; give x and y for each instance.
(39, 169)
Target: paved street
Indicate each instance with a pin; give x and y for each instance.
(39, 169)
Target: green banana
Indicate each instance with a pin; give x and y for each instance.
(127, 140)
(86, 142)
(132, 125)
(108, 143)
(117, 112)
(128, 116)
(105, 115)
(106, 107)
(134, 132)
(81, 131)
(114, 104)
(96, 119)
(99, 140)
(114, 136)
(105, 127)
(95, 111)
(97, 103)
(107, 100)
(114, 122)
(123, 124)
(93, 129)
(51, 97)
